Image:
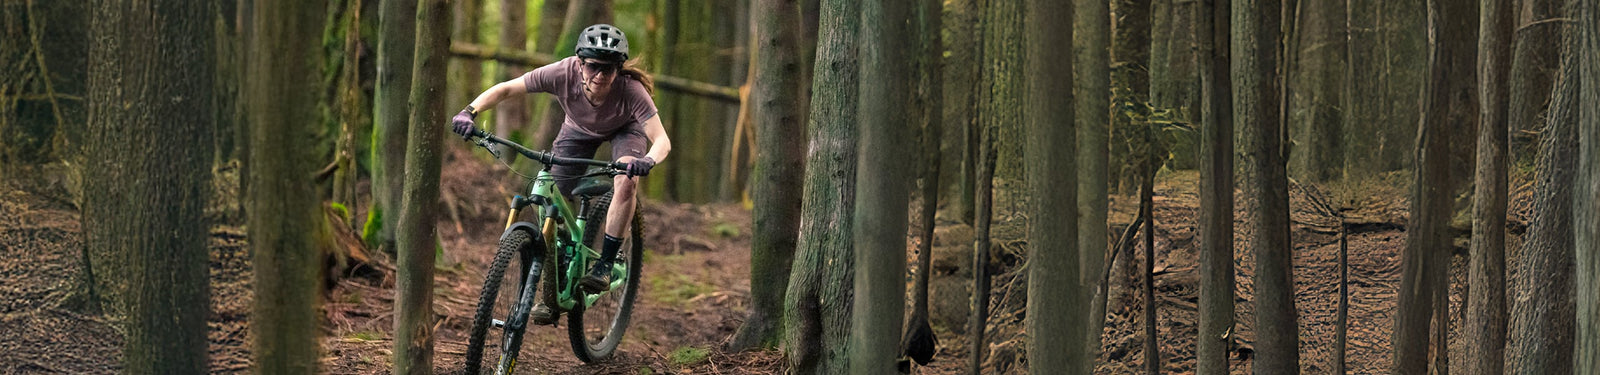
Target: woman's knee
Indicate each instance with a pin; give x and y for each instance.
(624, 186)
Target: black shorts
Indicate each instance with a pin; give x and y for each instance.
(628, 141)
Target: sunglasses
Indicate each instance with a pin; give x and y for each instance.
(602, 68)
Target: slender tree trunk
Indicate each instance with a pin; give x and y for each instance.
(1130, 59)
(962, 75)
(413, 322)
(1092, 63)
(151, 91)
(1486, 301)
(1426, 256)
(1152, 352)
(351, 111)
(511, 114)
(1000, 111)
(396, 43)
(880, 215)
(1586, 218)
(1542, 321)
(918, 342)
(818, 303)
(1534, 65)
(1055, 290)
(977, 346)
(1341, 325)
(1255, 34)
(285, 217)
(778, 170)
(1213, 24)
(467, 74)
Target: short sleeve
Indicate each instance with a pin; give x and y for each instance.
(640, 105)
(546, 78)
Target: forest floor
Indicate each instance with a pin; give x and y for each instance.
(696, 285)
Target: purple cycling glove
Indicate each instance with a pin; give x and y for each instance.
(463, 122)
(641, 166)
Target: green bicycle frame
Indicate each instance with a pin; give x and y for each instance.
(556, 210)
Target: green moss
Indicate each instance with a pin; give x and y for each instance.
(725, 230)
(688, 355)
(677, 289)
(344, 212)
(369, 231)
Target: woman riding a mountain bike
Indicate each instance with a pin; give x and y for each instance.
(606, 98)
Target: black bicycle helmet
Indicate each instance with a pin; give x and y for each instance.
(603, 42)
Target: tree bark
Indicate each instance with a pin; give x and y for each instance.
(1092, 63)
(1130, 59)
(511, 114)
(1533, 67)
(396, 43)
(413, 322)
(962, 75)
(882, 187)
(818, 303)
(779, 167)
(151, 80)
(1152, 352)
(1486, 301)
(1216, 330)
(468, 74)
(1586, 209)
(1542, 320)
(918, 342)
(351, 110)
(1001, 114)
(285, 218)
(1428, 241)
(1256, 30)
(1055, 290)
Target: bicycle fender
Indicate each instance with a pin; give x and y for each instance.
(530, 227)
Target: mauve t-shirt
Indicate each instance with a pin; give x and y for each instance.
(628, 106)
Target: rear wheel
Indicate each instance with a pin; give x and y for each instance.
(596, 330)
(501, 294)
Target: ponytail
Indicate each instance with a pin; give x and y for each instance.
(633, 69)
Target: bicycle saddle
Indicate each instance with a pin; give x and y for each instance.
(593, 187)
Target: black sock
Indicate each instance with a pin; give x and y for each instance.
(608, 251)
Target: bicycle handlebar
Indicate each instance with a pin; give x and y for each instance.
(542, 157)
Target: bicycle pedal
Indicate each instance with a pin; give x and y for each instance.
(499, 323)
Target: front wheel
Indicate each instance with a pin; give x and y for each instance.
(504, 298)
(596, 330)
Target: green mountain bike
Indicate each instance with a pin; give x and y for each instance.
(595, 322)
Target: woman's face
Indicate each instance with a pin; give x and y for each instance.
(597, 77)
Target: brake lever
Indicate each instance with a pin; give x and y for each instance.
(484, 142)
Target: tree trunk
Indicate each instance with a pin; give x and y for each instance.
(150, 67)
(1216, 330)
(1092, 63)
(735, 176)
(1055, 290)
(1316, 113)
(396, 43)
(285, 217)
(1152, 352)
(1586, 209)
(1130, 59)
(1533, 68)
(818, 302)
(918, 342)
(467, 74)
(1255, 35)
(511, 114)
(880, 215)
(351, 111)
(413, 322)
(962, 75)
(778, 170)
(1428, 240)
(1542, 321)
(977, 346)
(1001, 114)
(1486, 301)
(1341, 323)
